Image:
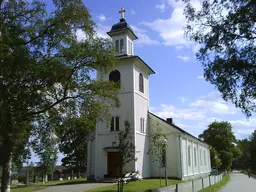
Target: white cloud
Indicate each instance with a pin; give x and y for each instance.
(213, 103)
(102, 18)
(171, 29)
(200, 77)
(183, 99)
(184, 58)
(133, 12)
(100, 32)
(161, 7)
(143, 37)
(197, 115)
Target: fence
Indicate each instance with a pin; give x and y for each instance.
(192, 186)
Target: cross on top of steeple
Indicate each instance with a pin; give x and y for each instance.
(122, 12)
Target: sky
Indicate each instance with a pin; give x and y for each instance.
(178, 89)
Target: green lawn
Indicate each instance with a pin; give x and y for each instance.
(216, 187)
(30, 188)
(38, 186)
(138, 186)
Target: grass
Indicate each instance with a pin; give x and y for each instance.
(138, 186)
(40, 185)
(30, 188)
(216, 187)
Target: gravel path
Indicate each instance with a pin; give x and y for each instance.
(239, 182)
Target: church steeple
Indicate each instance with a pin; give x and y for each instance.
(123, 36)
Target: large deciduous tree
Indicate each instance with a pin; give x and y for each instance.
(219, 135)
(44, 67)
(226, 31)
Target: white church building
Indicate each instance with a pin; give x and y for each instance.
(187, 157)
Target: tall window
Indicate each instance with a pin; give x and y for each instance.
(121, 46)
(142, 125)
(201, 160)
(141, 83)
(195, 156)
(115, 76)
(129, 47)
(204, 158)
(117, 123)
(117, 46)
(163, 159)
(114, 125)
(189, 155)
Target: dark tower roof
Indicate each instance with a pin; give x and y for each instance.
(122, 25)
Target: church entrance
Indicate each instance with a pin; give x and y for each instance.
(114, 164)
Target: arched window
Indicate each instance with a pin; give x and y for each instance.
(121, 46)
(115, 76)
(117, 46)
(141, 83)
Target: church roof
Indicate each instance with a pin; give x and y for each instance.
(122, 25)
(176, 127)
(137, 57)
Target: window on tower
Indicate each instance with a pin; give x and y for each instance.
(141, 83)
(115, 76)
(142, 125)
(117, 46)
(121, 46)
(114, 124)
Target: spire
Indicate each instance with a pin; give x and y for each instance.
(122, 12)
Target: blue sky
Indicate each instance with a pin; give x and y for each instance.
(178, 89)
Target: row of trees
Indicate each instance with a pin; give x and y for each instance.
(227, 152)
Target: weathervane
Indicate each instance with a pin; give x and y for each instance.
(122, 12)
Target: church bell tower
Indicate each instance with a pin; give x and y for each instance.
(132, 73)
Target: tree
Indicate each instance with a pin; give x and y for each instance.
(45, 144)
(215, 158)
(244, 162)
(73, 143)
(158, 147)
(126, 146)
(44, 67)
(226, 32)
(219, 135)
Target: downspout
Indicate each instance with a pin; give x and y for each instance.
(181, 165)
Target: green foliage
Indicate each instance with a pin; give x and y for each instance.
(45, 68)
(157, 147)
(244, 162)
(226, 32)
(126, 145)
(73, 143)
(215, 158)
(219, 135)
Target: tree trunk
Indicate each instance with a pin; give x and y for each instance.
(6, 174)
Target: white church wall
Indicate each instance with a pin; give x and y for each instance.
(199, 165)
(142, 148)
(123, 112)
(172, 156)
